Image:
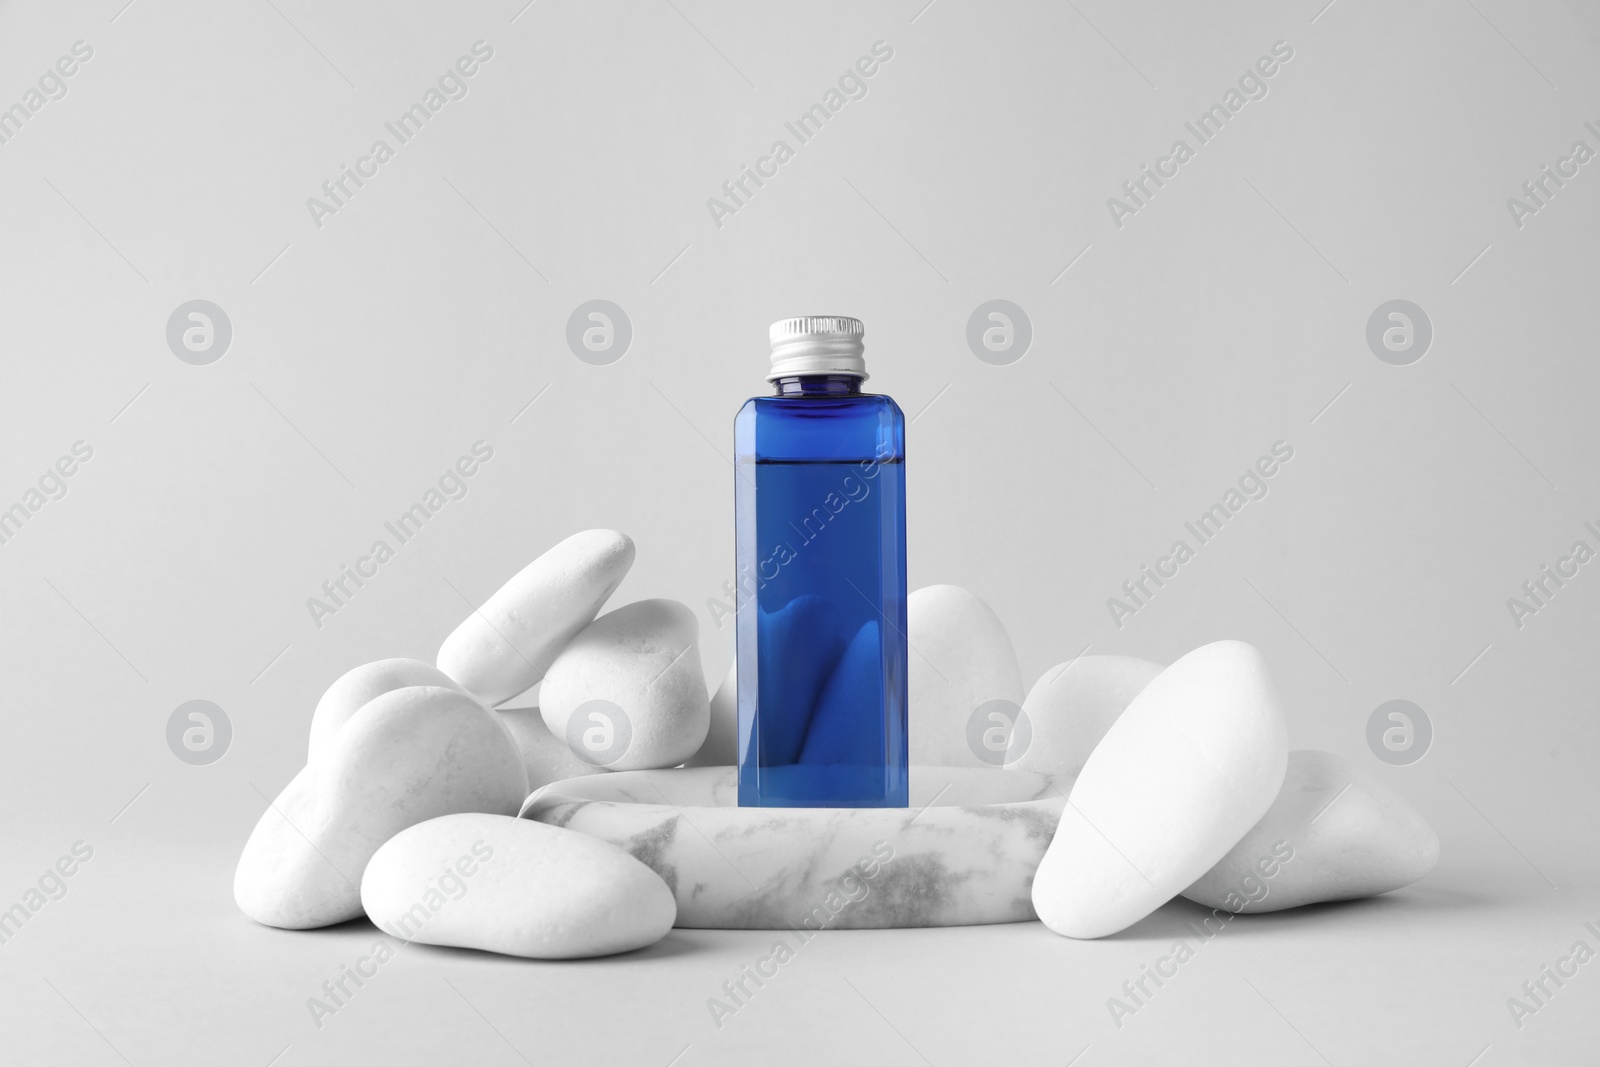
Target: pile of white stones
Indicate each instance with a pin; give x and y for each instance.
(1184, 782)
(406, 808)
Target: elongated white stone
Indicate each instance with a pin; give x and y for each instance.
(506, 646)
(1181, 776)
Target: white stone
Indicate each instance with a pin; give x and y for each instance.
(545, 757)
(350, 693)
(634, 680)
(1181, 776)
(1070, 709)
(516, 887)
(408, 755)
(1333, 833)
(721, 747)
(962, 854)
(960, 658)
(506, 646)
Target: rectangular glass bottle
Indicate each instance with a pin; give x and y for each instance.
(820, 534)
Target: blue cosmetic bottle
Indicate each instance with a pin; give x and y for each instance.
(820, 528)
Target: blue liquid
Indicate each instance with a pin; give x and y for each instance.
(820, 530)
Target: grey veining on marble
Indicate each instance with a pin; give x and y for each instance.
(963, 853)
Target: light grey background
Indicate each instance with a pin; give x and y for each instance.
(1168, 354)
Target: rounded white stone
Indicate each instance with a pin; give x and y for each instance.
(513, 886)
(350, 693)
(1181, 776)
(408, 755)
(636, 673)
(1333, 833)
(506, 646)
(960, 658)
(1070, 709)
(721, 746)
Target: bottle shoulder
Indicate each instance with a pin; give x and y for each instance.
(862, 404)
(861, 426)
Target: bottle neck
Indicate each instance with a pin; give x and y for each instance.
(812, 385)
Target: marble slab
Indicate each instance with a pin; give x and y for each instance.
(962, 854)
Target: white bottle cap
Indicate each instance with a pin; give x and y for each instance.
(817, 344)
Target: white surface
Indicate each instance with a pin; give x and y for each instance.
(150, 949)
